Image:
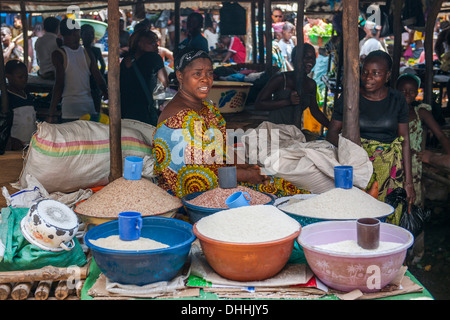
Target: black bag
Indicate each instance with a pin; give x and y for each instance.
(6, 120)
(233, 19)
(413, 221)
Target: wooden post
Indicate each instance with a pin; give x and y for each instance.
(397, 41)
(3, 88)
(23, 17)
(429, 49)
(253, 26)
(177, 25)
(5, 290)
(43, 290)
(115, 129)
(268, 33)
(261, 31)
(21, 291)
(350, 15)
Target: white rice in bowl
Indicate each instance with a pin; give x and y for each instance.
(248, 224)
(340, 203)
(115, 243)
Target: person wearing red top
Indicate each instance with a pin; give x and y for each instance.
(236, 50)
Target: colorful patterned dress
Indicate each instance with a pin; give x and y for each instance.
(415, 137)
(190, 146)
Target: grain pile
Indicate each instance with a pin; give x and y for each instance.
(215, 198)
(340, 204)
(115, 243)
(249, 224)
(351, 246)
(128, 195)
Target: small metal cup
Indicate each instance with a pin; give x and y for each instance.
(227, 177)
(368, 233)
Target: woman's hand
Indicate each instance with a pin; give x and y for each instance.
(410, 195)
(295, 98)
(251, 174)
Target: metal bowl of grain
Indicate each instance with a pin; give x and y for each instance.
(140, 267)
(334, 205)
(204, 203)
(333, 255)
(127, 195)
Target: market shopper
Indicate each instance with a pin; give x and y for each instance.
(189, 143)
(45, 46)
(73, 65)
(419, 114)
(21, 103)
(10, 47)
(194, 39)
(139, 71)
(383, 124)
(235, 49)
(281, 98)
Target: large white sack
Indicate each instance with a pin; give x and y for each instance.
(76, 155)
(308, 165)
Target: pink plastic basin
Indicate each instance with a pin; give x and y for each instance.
(368, 272)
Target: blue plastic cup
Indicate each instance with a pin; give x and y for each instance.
(238, 199)
(132, 169)
(130, 225)
(343, 177)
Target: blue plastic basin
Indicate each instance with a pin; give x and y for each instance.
(144, 267)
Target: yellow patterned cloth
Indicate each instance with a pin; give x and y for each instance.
(190, 146)
(387, 169)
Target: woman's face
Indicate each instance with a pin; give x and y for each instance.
(196, 79)
(374, 74)
(18, 78)
(287, 34)
(309, 59)
(409, 90)
(148, 44)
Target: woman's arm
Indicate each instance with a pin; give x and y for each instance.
(334, 129)
(264, 99)
(427, 117)
(314, 108)
(403, 130)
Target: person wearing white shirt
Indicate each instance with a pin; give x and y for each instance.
(45, 46)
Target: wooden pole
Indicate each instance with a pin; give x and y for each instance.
(397, 41)
(253, 26)
(177, 25)
(268, 33)
(350, 15)
(429, 49)
(45, 273)
(115, 129)
(23, 18)
(261, 31)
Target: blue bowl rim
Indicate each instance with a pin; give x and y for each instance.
(152, 251)
(194, 195)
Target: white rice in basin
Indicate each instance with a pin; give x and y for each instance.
(115, 243)
(340, 203)
(249, 224)
(351, 246)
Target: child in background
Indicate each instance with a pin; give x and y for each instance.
(21, 103)
(419, 112)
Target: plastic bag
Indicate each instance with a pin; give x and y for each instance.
(413, 221)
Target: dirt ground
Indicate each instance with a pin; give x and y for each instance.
(433, 270)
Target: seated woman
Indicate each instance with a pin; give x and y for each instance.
(189, 141)
(383, 124)
(281, 98)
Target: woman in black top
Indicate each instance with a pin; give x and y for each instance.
(281, 99)
(383, 122)
(136, 102)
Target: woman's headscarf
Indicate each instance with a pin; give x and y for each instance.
(187, 55)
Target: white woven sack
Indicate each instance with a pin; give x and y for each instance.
(75, 155)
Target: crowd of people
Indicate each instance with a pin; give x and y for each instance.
(390, 119)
